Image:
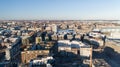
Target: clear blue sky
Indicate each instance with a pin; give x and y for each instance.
(59, 9)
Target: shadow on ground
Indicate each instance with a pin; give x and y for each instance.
(109, 55)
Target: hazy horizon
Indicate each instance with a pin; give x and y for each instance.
(59, 10)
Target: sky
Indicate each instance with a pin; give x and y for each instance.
(59, 9)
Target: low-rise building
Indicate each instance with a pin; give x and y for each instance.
(76, 47)
(54, 37)
(61, 37)
(111, 29)
(94, 41)
(28, 55)
(42, 62)
(69, 37)
(25, 40)
(13, 49)
(77, 36)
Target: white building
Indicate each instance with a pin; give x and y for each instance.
(114, 35)
(54, 28)
(64, 45)
(114, 32)
(93, 34)
(76, 47)
(41, 62)
(110, 29)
